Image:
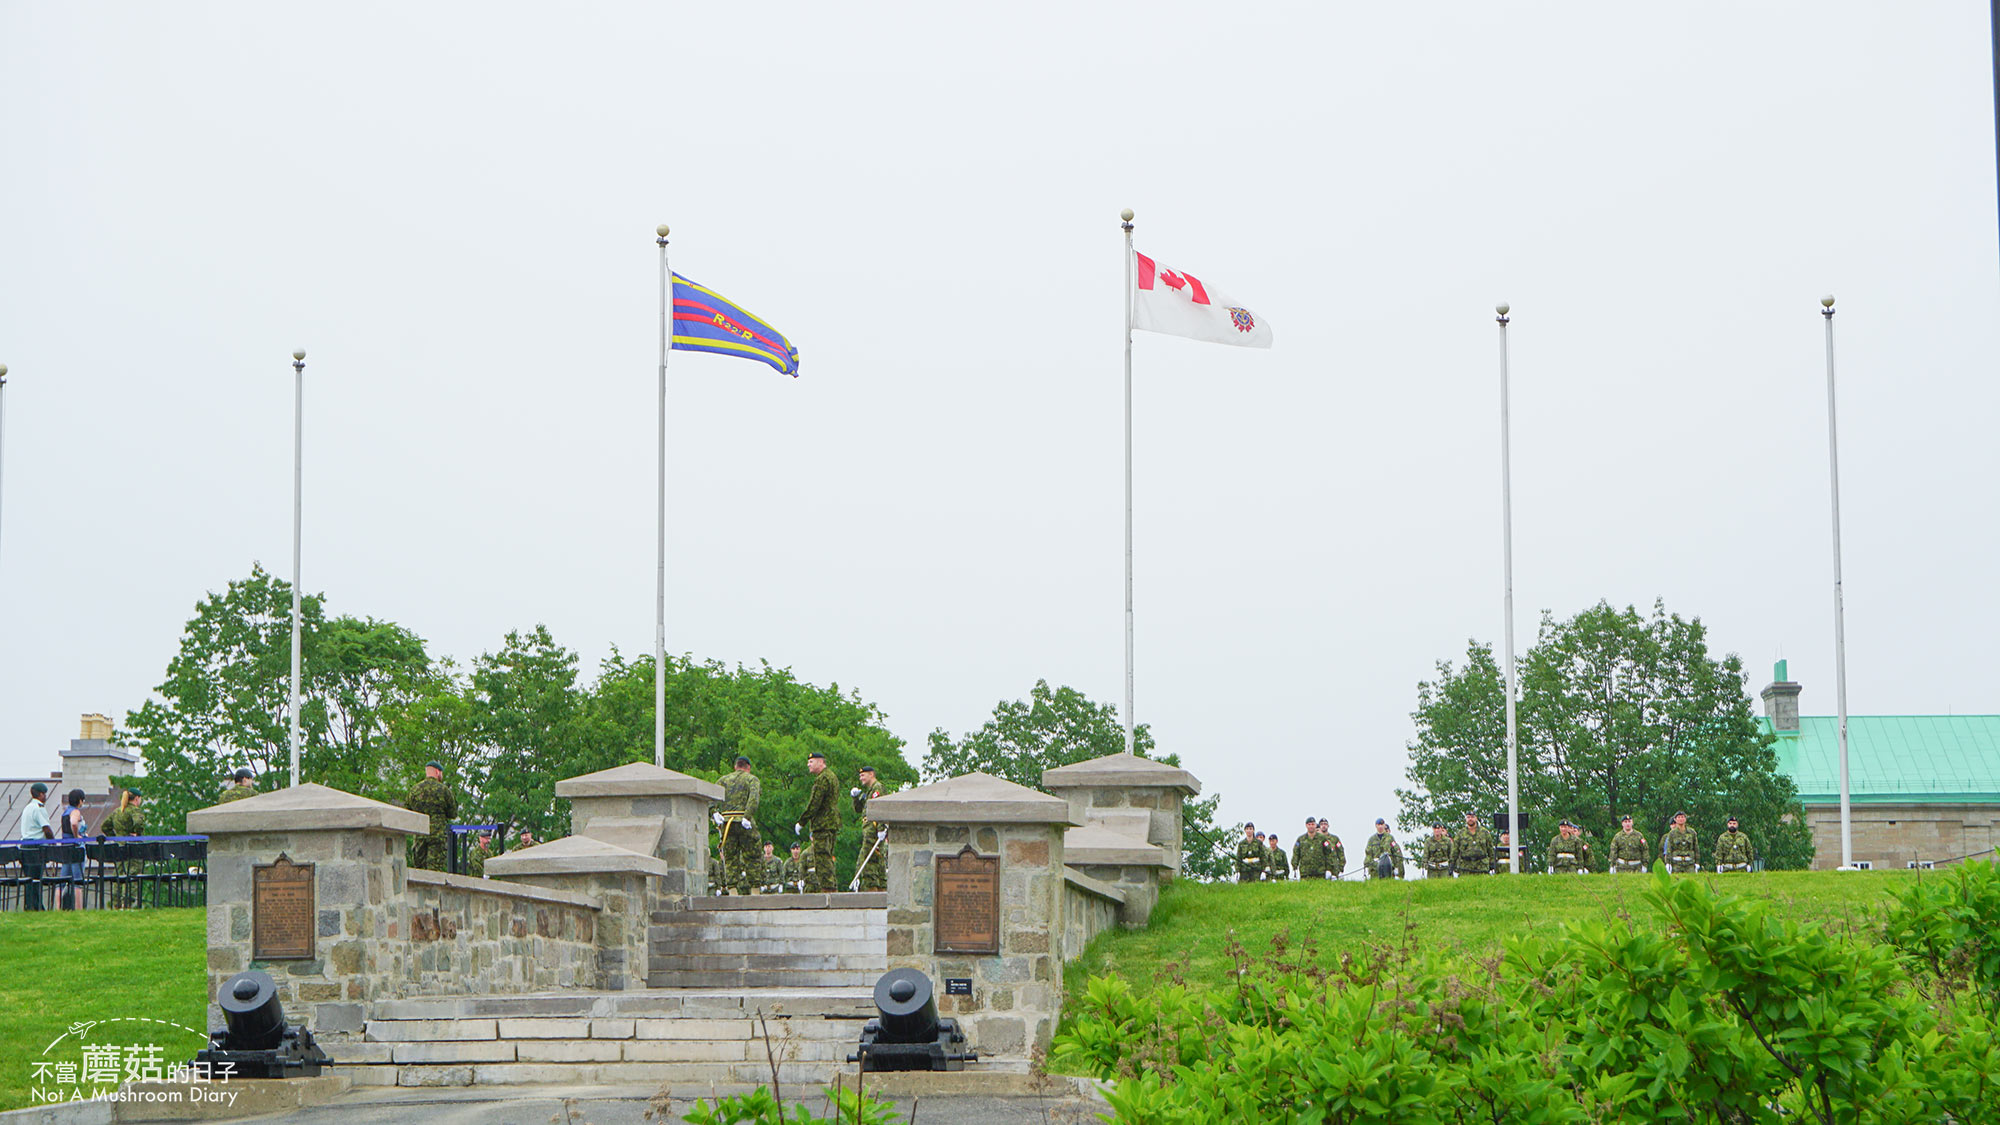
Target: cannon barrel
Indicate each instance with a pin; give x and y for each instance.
(908, 1006)
(250, 1009)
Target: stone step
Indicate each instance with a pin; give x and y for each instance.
(670, 941)
(677, 1074)
(876, 962)
(876, 900)
(772, 919)
(701, 1002)
(772, 979)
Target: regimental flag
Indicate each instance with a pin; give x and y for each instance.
(705, 321)
(1180, 304)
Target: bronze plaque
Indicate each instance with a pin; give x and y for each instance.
(282, 920)
(966, 898)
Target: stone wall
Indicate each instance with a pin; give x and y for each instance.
(485, 937)
(627, 902)
(1090, 906)
(1890, 836)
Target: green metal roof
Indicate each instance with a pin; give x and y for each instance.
(1895, 759)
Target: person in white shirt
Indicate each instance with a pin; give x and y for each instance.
(35, 826)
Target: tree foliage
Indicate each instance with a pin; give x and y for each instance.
(1618, 714)
(1060, 727)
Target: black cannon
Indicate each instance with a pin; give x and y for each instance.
(256, 1038)
(909, 1035)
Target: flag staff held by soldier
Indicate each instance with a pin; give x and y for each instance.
(871, 872)
(742, 867)
(822, 817)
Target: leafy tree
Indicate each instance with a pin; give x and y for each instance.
(1619, 713)
(1059, 727)
(526, 716)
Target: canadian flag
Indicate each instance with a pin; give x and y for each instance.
(1181, 304)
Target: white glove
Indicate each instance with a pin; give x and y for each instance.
(798, 830)
(881, 833)
(854, 792)
(717, 817)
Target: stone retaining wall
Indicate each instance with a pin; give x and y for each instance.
(486, 937)
(1090, 906)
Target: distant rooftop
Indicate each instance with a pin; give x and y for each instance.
(1894, 759)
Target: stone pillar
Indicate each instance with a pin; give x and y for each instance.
(358, 931)
(1781, 702)
(1130, 795)
(1135, 868)
(657, 812)
(1017, 992)
(622, 880)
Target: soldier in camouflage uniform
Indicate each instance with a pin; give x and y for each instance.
(475, 860)
(774, 871)
(432, 798)
(1382, 848)
(1437, 854)
(128, 820)
(1503, 862)
(873, 870)
(1733, 852)
(1472, 851)
(1566, 852)
(1682, 849)
(741, 794)
(822, 818)
(795, 871)
(1336, 853)
(1628, 849)
(1274, 859)
(1308, 857)
(244, 784)
(1249, 856)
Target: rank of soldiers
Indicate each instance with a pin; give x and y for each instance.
(1473, 851)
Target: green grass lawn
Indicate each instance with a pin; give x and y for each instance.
(59, 968)
(1194, 923)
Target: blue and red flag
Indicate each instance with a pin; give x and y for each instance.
(705, 321)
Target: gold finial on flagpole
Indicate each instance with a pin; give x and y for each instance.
(1503, 308)
(662, 231)
(1125, 218)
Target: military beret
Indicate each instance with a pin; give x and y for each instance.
(867, 769)
(1438, 827)
(136, 795)
(1732, 818)
(1309, 820)
(1678, 814)
(38, 787)
(1249, 824)
(741, 760)
(1381, 822)
(244, 774)
(817, 754)
(1565, 824)
(432, 765)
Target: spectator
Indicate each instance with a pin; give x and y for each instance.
(73, 828)
(35, 826)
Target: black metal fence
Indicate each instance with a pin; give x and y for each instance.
(104, 872)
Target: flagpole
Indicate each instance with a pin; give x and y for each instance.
(3, 418)
(298, 495)
(1125, 223)
(1507, 582)
(660, 588)
(1839, 600)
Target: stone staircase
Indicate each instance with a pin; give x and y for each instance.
(685, 1037)
(771, 941)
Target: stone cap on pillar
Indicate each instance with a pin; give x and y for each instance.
(574, 855)
(306, 808)
(1121, 771)
(1094, 845)
(975, 798)
(639, 779)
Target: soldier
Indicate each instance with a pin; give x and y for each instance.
(795, 871)
(741, 793)
(872, 866)
(822, 818)
(1308, 857)
(1336, 855)
(244, 785)
(1437, 854)
(774, 871)
(1274, 859)
(526, 839)
(432, 798)
(1680, 847)
(1249, 856)
(1383, 853)
(475, 860)
(1503, 863)
(1733, 851)
(128, 820)
(1472, 852)
(1566, 851)
(1628, 849)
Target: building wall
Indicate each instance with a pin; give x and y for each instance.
(1890, 836)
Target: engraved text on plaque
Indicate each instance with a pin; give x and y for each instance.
(281, 910)
(967, 911)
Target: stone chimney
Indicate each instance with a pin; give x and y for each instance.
(1781, 702)
(91, 760)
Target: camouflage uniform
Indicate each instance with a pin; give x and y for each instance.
(795, 871)
(1275, 863)
(874, 845)
(433, 799)
(822, 819)
(742, 851)
(1249, 860)
(1437, 856)
(1472, 852)
(1382, 844)
(236, 793)
(776, 875)
(475, 860)
(1336, 855)
(1309, 856)
(128, 821)
(1733, 851)
(1567, 854)
(1503, 860)
(1683, 851)
(1628, 852)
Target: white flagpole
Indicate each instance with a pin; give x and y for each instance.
(660, 589)
(3, 418)
(298, 494)
(1515, 838)
(1125, 222)
(1839, 601)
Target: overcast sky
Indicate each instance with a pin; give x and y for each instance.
(451, 207)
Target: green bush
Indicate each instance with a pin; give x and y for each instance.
(760, 1107)
(1719, 1010)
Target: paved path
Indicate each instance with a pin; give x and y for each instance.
(615, 1105)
